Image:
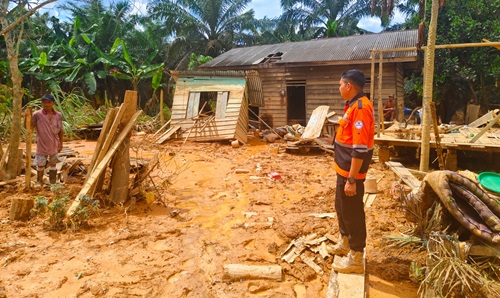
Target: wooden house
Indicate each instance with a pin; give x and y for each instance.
(297, 77)
(213, 105)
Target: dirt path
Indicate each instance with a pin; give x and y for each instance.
(212, 216)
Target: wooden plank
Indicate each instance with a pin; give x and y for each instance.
(110, 118)
(222, 105)
(350, 285)
(245, 272)
(162, 128)
(486, 128)
(472, 113)
(173, 129)
(315, 123)
(99, 169)
(368, 199)
(484, 119)
(403, 173)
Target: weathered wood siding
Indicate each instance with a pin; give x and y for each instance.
(322, 83)
(235, 116)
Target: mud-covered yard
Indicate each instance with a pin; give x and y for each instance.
(218, 207)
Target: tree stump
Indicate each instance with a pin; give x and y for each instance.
(20, 208)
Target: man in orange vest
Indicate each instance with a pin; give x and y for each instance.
(353, 152)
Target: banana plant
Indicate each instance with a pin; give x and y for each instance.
(126, 69)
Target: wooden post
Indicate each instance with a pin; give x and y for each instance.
(436, 135)
(161, 107)
(121, 163)
(380, 105)
(428, 82)
(29, 134)
(372, 86)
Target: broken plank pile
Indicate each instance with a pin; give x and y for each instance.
(311, 132)
(113, 143)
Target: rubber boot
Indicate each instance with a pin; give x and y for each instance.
(52, 176)
(39, 178)
(341, 247)
(352, 263)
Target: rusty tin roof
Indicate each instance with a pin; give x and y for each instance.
(340, 50)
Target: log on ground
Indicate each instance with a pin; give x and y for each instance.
(245, 272)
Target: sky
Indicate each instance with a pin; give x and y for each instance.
(271, 9)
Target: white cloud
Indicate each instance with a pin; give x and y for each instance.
(266, 8)
(371, 24)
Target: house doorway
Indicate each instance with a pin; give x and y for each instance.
(296, 102)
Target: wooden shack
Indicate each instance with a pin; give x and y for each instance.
(297, 77)
(212, 105)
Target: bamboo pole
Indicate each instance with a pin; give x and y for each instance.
(29, 134)
(428, 84)
(380, 106)
(443, 46)
(372, 77)
(161, 108)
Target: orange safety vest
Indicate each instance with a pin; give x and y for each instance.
(355, 136)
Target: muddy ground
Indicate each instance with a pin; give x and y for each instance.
(208, 215)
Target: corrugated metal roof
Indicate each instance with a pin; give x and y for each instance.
(322, 50)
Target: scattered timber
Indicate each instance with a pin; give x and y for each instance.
(99, 169)
(245, 272)
(404, 174)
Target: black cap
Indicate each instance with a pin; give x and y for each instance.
(48, 97)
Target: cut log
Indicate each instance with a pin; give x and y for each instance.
(20, 208)
(245, 272)
(102, 165)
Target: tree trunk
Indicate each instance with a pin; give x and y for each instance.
(17, 94)
(428, 84)
(20, 208)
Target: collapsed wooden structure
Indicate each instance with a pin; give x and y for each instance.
(479, 135)
(211, 106)
(112, 146)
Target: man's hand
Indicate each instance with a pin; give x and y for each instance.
(350, 189)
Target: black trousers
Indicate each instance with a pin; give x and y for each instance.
(351, 214)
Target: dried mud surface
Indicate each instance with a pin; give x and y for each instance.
(211, 216)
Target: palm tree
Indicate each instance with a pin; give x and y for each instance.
(327, 18)
(207, 27)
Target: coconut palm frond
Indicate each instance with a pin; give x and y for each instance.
(403, 240)
(450, 274)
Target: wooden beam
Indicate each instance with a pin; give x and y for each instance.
(486, 128)
(380, 106)
(244, 272)
(404, 174)
(99, 169)
(110, 117)
(436, 136)
(162, 118)
(29, 134)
